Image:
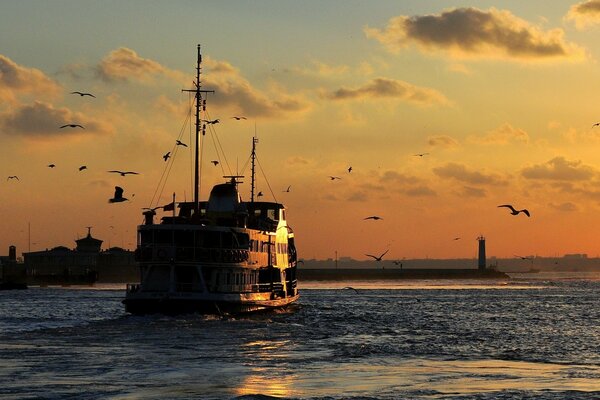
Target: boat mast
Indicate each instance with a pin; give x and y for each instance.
(198, 94)
(253, 157)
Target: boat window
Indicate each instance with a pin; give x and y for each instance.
(271, 214)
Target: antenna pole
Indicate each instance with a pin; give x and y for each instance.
(199, 103)
(253, 157)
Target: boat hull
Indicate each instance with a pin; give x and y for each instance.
(176, 305)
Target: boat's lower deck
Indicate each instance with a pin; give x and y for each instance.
(175, 304)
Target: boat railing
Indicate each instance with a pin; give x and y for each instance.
(133, 287)
(191, 253)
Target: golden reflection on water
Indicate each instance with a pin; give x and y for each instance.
(416, 284)
(261, 381)
(444, 377)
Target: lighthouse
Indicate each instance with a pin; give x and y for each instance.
(481, 262)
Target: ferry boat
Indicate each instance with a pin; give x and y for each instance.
(220, 256)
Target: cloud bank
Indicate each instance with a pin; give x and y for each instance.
(585, 13)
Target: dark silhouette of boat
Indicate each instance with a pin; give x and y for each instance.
(223, 255)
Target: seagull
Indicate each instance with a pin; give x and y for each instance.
(378, 258)
(166, 156)
(456, 238)
(123, 173)
(259, 194)
(180, 143)
(515, 212)
(83, 94)
(82, 167)
(596, 124)
(397, 262)
(51, 165)
(13, 177)
(72, 126)
(118, 197)
(215, 162)
(288, 189)
(211, 122)
(349, 169)
(333, 178)
(238, 118)
(420, 154)
(373, 217)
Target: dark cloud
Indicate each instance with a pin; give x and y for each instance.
(462, 173)
(442, 141)
(559, 169)
(470, 32)
(469, 191)
(379, 88)
(43, 120)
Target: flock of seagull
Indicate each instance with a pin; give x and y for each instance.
(513, 211)
(118, 193)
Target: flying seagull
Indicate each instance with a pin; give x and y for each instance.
(13, 177)
(456, 238)
(288, 189)
(378, 258)
(180, 143)
(420, 154)
(596, 124)
(513, 211)
(51, 165)
(259, 194)
(118, 197)
(72, 126)
(211, 122)
(333, 178)
(123, 173)
(82, 167)
(83, 94)
(373, 217)
(238, 118)
(167, 155)
(349, 169)
(215, 162)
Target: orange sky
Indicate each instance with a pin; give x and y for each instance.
(501, 96)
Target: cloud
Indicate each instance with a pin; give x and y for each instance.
(43, 120)
(463, 174)
(559, 169)
(443, 141)
(233, 90)
(16, 79)
(470, 191)
(565, 207)
(584, 14)
(420, 191)
(380, 88)
(503, 135)
(474, 33)
(124, 64)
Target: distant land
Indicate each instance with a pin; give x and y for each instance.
(568, 262)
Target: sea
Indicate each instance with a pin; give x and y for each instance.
(534, 336)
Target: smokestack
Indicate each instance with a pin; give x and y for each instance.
(481, 262)
(12, 253)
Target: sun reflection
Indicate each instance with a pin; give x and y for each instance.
(259, 381)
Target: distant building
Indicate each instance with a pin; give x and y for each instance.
(85, 264)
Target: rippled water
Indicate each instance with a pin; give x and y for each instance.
(525, 338)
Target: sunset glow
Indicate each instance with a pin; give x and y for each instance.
(444, 111)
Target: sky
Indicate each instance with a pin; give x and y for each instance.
(500, 97)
